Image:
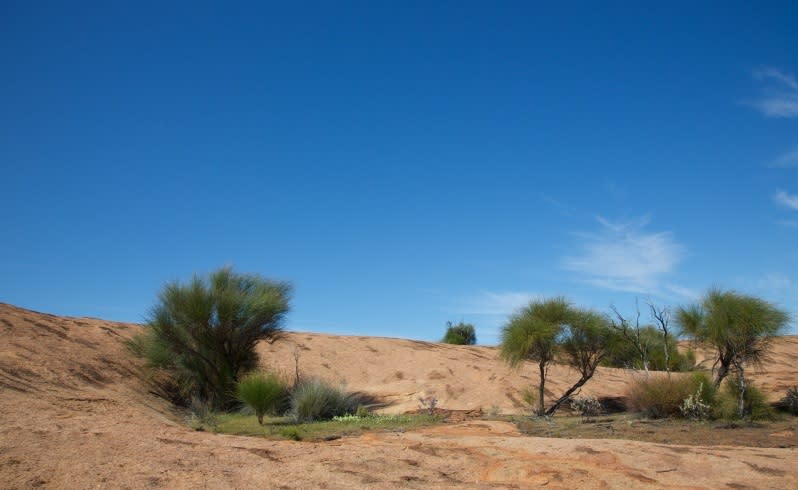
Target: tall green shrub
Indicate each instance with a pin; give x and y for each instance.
(201, 336)
(460, 334)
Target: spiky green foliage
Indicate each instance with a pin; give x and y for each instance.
(201, 335)
(460, 334)
(737, 327)
(315, 399)
(264, 393)
(545, 329)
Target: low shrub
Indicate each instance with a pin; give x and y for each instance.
(586, 406)
(315, 399)
(264, 393)
(755, 405)
(460, 334)
(695, 407)
(427, 403)
(790, 401)
(663, 396)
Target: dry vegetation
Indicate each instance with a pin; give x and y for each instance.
(73, 414)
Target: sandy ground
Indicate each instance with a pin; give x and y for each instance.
(74, 415)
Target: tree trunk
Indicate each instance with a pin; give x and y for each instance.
(667, 356)
(741, 387)
(541, 390)
(723, 370)
(567, 394)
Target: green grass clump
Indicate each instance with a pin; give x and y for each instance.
(264, 394)
(663, 396)
(315, 399)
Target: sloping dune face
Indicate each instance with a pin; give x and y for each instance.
(399, 372)
(73, 414)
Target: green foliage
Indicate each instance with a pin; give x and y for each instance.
(201, 336)
(624, 355)
(265, 394)
(756, 406)
(739, 328)
(663, 396)
(531, 334)
(460, 334)
(315, 399)
(544, 330)
(790, 401)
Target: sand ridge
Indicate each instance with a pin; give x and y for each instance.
(73, 414)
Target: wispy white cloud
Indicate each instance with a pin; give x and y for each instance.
(779, 94)
(786, 199)
(495, 303)
(787, 160)
(774, 282)
(559, 205)
(624, 257)
(683, 292)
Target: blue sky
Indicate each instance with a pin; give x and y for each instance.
(401, 163)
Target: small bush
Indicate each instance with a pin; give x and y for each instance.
(460, 334)
(586, 406)
(315, 399)
(755, 404)
(695, 406)
(790, 401)
(264, 393)
(427, 403)
(663, 396)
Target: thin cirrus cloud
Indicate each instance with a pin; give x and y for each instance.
(780, 93)
(786, 199)
(787, 160)
(495, 303)
(625, 257)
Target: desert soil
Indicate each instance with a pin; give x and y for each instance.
(74, 414)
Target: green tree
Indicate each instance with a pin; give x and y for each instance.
(460, 334)
(547, 330)
(202, 335)
(738, 328)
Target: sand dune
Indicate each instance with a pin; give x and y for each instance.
(73, 414)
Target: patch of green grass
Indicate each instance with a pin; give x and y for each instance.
(350, 425)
